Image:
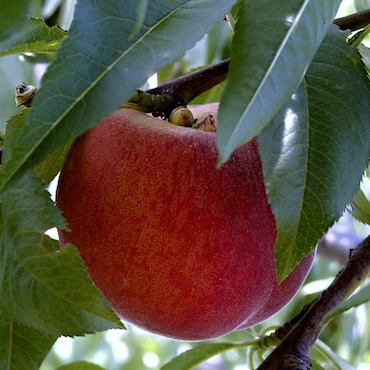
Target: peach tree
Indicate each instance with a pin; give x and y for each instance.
(295, 77)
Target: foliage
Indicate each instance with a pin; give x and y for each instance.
(295, 81)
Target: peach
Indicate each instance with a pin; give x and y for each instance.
(177, 246)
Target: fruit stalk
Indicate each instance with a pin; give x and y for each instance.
(299, 341)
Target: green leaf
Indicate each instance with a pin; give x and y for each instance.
(52, 164)
(360, 207)
(12, 16)
(35, 37)
(189, 359)
(99, 66)
(361, 5)
(14, 126)
(141, 11)
(22, 348)
(324, 358)
(81, 365)
(273, 46)
(41, 286)
(365, 54)
(315, 150)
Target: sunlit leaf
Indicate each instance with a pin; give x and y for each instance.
(360, 297)
(274, 43)
(324, 358)
(34, 37)
(141, 11)
(189, 359)
(365, 54)
(315, 150)
(360, 207)
(81, 365)
(100, 65)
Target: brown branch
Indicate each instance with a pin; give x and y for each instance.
(301, 338)
(184, 89)
(192, 85)
(354, 21)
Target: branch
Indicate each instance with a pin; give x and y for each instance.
(184, 89)
(179, 92)
(354, 21)
(194, 84)
(163, 99)
(294, 350)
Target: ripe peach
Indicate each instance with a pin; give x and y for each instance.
(177, 246)
(281, 294)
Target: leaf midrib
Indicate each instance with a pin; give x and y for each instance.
(267, 74)
(26, 157)
(10, 352)
(304, 182)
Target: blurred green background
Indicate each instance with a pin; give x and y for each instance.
(135, 349)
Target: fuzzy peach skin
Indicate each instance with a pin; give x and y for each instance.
(177, 246)
(281, 294)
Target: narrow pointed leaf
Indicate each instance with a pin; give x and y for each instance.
(100, 65)
(323, 358)
(360, 297)
(315, 150)
(360, 207)
(35, 37)
(274, 43)
(193, 357)
(141, 11)
(41, 286)
(22, 347)
(81, 365)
